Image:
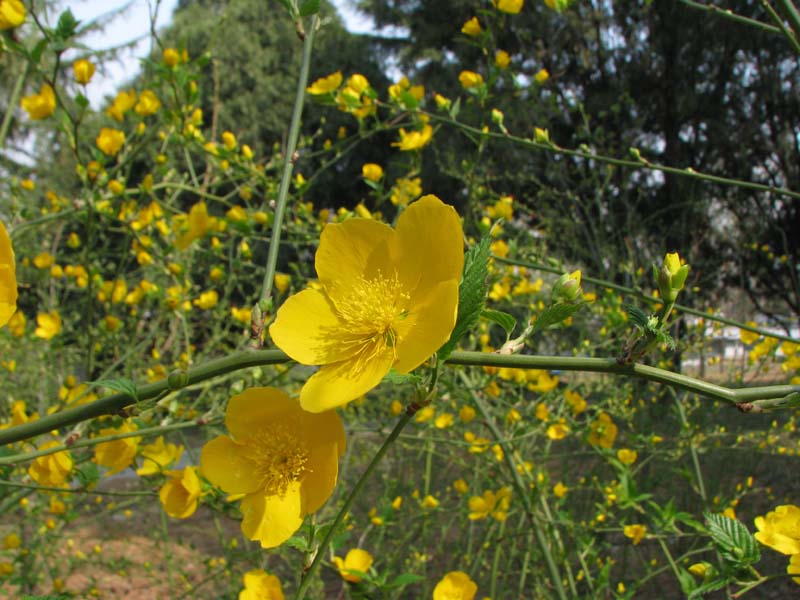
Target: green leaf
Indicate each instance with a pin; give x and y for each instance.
(403, 580)
(554, 314)
(298, 543)
(309, 7)
(455, 108)
(396, 378)
(88, 475)
(505, 320)
(67, 25)
(733, 539)
(637, 316)
(124, 386)
(471, 294)
(708, 587)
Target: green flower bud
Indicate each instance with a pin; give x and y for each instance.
(671, 276)
(568, 287)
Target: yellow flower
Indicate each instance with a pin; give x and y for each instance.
(116, 455)
(282, 281)
(635, 532)
(443, 421)
(456, 585)
(171, 57)
(560, 490)
(405, 190)
(372, 171)
(558, 431)
(355, 560)
(180, 494)
(12, 541)
(8, 280)
(626, 456)
(258, 585)
(780, 529)
(568, 287)
(325, 85)
(48, 325)
(207, 300)
(123, 102)
(542, 75)
(472, 27)
(243, 315)
(700, 569)
(12, 13)
(466, 414)
(157, 456)
(461, 486)
(603, 431)
(575, 401)
(511, 7)
(148, 104)
(228, 140)
(541, 412)
(41, 105)
(794, 568)
(51, 470)
(502, 59)
(110, 141)
(381, 303)
(199, 223)
(429, 502)
(671, 276)
(490, 503)
(749, 337)
(470, 79)
(283, 460)
(415, 139)
(84, 70)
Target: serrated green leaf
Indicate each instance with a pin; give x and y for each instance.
(67, 25)
(733, 539)
(309, 7)
(124, 386)
(396, 378)
(471, 294)
(505, 320)
(403, 580)
(708, 587)
(87, 474)
(298, 543)
(637, 316)
(555, 313)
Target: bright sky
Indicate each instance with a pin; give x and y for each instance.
(134, 24)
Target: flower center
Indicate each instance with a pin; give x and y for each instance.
(279, 456)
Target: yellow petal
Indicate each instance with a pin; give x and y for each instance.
(307, 329)
(430, 243)
(255, 407)
(346, 250)
(8, 279)
(272, 519)
(337, 384)
(326, 443)
(428, 324)
(223, 464)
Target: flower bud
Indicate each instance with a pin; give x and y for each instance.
(671, 276)
(568, 287)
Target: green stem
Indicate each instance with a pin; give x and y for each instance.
(787, 32)
(727, 14)
(13, 101)
(649, 299)
(307, 576)
(288, 165)
(252, 358)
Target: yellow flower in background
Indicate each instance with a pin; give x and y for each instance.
(12, 13)
(355, 560)
(511, 7)
(794, 568)
(780, 529)
(405, 190)
(602, 431)
(116, 455)
(84, 70)
(542, 75)
(123, 102)
(470, 79)
(148, 104)
(558, 431)
(502, 59)
(228, 140)
(414, 139)
(472, 27)
(381, 303)
(325, 85)
(48, 325)
(282, 281)
(627, 456)
(110, 141)
(51, 470)
(198, 223)
(490, 504)
(157, 456)
(456, 585)
(181, 493)
(207, 300)
(635, 532)
(283, 460)
(372, 172)
(243, 315)
(171, 57)
(575, 401)
(259, 585)
(560, 490)
(41, 105)
(8, 280)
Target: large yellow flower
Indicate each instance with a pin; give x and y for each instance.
(387, 299)
(282, 459)
(8, 278)
(780, 529)
(12, 13)
(259, 585)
